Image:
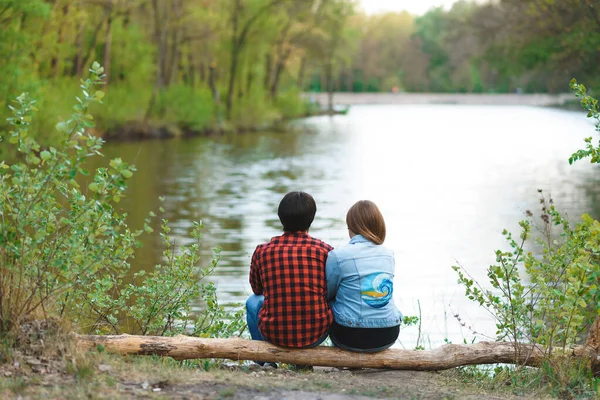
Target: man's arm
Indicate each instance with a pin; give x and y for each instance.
(255, 281)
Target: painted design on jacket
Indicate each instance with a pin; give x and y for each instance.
(377, 289)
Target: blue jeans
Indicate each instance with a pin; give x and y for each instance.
(253, 306)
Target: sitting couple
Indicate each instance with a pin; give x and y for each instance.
(305, 291)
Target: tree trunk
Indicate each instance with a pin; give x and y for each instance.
(55, 62)
(212, 82)
(202, 69)
(268, 70)
(329, 83)
(191, 72)
(237, 44)
(444, 357)
(92, 49)
(77, 68)
(281, 58)
(301, 73)
(593, 342)
(235, 53)
(107, 50)
(175, 54)
(161, 42)
(249, 81)
(126, 22)
(277, 75)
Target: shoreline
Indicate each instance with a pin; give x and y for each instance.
(156, 130)
(136, 130)
(530, 99)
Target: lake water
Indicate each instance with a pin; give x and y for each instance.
(447, 178)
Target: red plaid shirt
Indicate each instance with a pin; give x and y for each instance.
(290, 272)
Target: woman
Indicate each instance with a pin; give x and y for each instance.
(360, 280)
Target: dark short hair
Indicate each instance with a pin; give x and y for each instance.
(364, 218)
(297, 211)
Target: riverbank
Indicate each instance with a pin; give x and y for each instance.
(139, 130)
(513, 99)
(100, 375)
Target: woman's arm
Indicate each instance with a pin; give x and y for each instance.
(333, 274)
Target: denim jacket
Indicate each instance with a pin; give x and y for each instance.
(360, 280)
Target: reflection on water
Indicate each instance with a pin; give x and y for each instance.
(448, 179)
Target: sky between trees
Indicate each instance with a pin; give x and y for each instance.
(417, 7)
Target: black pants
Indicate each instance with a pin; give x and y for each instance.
(363, 340)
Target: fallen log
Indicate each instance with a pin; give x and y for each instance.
(445, 357)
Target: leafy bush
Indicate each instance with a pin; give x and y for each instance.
(188, 107)
(557, 302)
(252, 111)
(560, 299)
(291, 104)
(65, 250)
(589, 104)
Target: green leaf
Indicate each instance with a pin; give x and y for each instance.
(62, 126)
(45, 155)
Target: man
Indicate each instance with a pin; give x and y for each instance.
(289, 305)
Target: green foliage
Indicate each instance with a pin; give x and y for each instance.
(290, 104)
(506, 300)
(188, 107)
(253, 112)
(16, 67)
(553, 306)
(590, 104)
(559, 300)
(65, 250)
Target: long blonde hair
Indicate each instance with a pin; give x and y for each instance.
(364, 218)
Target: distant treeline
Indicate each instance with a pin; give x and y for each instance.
(199, 63)
(484, 46)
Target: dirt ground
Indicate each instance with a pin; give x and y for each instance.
(115, 377)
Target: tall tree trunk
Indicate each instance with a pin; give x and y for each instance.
(212, 82)
(249, 81)
(268, 70)
(302, 73)
(126, 22)
(107, 50)
(350, 81)
(237, 44)
(160, 21)
(202, 69)
(234, 57)
(191, 72)
(174, 52)
(329, 83)
(91, 54)
(231, 86)
(77, 68)
(55, 62)
(281, 59)
(279, 68)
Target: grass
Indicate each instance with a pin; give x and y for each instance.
(98, 375)
(567, 380)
